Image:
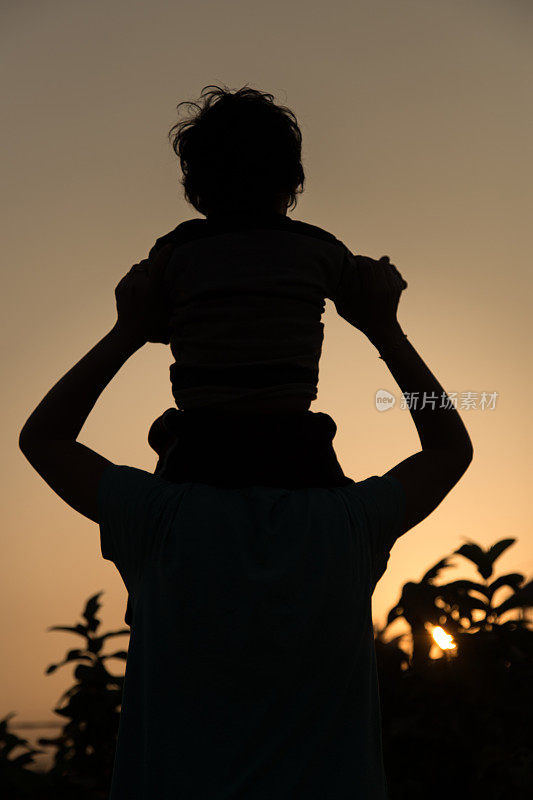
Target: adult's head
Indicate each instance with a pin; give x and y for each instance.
(239, 150)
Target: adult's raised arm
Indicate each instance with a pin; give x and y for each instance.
(428, 475)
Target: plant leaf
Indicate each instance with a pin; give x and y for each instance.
(478, 556)
(4, 722)
(434, 571)
(497, 549)
(120, 632)
(81, 629)
(522, 598)
(513, 580)
(118, 654)
(25, 758)
(91, 609)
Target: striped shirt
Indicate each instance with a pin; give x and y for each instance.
(246, 294)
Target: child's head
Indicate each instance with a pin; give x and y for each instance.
(239, 150)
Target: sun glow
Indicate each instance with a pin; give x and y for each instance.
(443, 639)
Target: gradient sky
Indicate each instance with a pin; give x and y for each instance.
(416, 121)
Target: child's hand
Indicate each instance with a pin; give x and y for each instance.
(369, 293)
(381, 286)
(142, 306)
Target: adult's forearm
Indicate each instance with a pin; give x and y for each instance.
(438, 423)
(63, 411)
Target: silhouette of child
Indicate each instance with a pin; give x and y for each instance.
(245, 287)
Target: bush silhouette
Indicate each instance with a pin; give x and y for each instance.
(16, 781)
(463, 723)
(458, 724)
(86, 747)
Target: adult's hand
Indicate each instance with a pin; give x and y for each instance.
(379, 288)
(142, 306)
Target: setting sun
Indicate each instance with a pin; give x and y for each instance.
(443, 639)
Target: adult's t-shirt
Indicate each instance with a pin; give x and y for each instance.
(251, 668)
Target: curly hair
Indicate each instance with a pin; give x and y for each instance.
(239, 148)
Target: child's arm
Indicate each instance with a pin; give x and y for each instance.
(347, 293)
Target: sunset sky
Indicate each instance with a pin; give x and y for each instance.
(417, 128)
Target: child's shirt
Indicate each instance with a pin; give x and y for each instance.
(246, 295)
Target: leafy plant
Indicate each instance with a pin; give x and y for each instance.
(10, 741)
(456, 725)
(85, 749)
(16, 781)
(466, 717)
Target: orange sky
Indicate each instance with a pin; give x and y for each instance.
(416, 121)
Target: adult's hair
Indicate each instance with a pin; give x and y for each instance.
(238, 148)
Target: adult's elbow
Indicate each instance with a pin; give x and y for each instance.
(452, 463)
(463, 458)
(469, 452)
(25, 440)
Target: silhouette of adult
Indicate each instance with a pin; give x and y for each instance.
(252, 668)
(250, 560)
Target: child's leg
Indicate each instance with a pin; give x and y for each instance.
(291, 449)
(162, 436)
